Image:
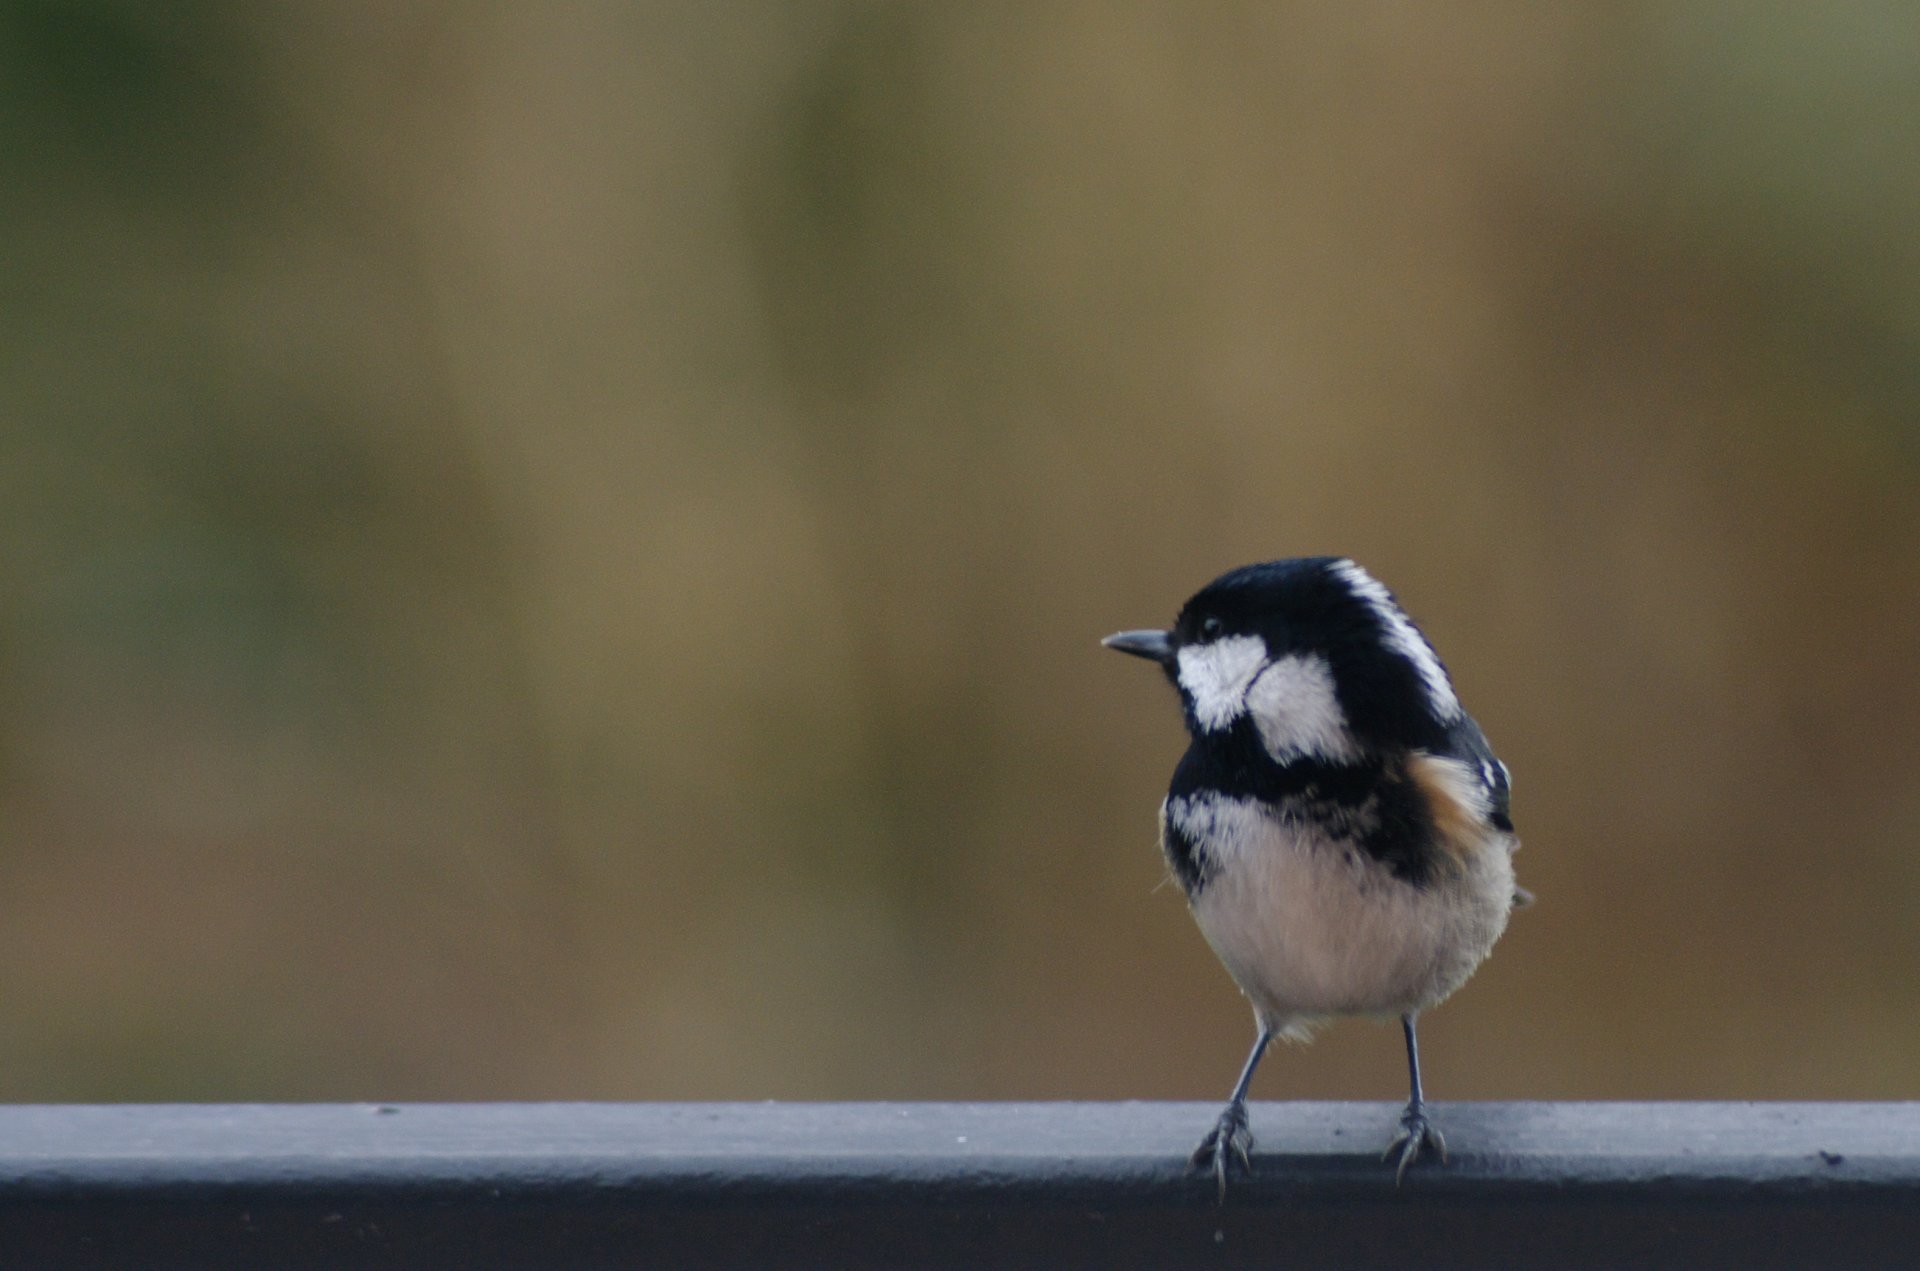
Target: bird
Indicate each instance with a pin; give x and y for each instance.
(1340, 826)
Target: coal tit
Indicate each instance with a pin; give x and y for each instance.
(1339, 824)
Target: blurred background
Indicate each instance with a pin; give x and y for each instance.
(558, 551)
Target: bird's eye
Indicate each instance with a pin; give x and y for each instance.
(1211, 628)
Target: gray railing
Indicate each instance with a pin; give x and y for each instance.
(556, 1186)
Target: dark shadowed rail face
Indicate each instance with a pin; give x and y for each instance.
(951, 1185)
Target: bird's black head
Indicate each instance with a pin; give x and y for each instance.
(1312, 652)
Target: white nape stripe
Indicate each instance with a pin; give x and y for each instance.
(1216, 676)
(1297, 712)
(1403, 637)
(1228, 829)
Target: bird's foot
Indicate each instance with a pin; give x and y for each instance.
(1228, 1141)
(1417, 1133)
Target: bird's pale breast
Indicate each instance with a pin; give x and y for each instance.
(1310, 925)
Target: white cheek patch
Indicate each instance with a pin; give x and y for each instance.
(1294, 706)
(1215, 677)
(1403, 638)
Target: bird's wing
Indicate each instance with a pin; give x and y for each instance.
(1466, 743)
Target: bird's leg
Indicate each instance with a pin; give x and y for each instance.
(1417, 1132)
(1230, 1139)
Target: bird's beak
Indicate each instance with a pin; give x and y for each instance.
(1154, 645)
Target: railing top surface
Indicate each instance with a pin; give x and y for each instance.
(567, 1185)
(1490, 1140)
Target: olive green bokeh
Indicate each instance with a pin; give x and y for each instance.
(559, 551)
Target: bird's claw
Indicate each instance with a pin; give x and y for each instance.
(1229, 1140)
(1417, 1133)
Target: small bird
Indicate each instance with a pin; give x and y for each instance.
(1339, 824)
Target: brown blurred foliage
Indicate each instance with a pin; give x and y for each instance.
(557, 551)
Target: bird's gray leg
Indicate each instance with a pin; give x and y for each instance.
(1230, 1139)
(1417, 1132)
